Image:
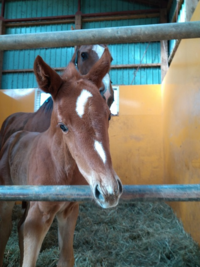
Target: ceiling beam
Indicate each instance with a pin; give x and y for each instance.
(151, 3)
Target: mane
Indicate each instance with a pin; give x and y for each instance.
(47, 105)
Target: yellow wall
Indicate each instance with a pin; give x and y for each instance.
(181, 106)
(16, 100)
(136, 135)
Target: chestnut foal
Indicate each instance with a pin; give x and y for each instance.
(74, 148)
(84, 58)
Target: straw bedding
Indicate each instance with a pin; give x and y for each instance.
(134, 234)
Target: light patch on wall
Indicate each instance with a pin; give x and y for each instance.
(17, 93)
(115, 105)
(130, 103)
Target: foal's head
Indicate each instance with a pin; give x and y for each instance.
(81, 119)
(85, 56)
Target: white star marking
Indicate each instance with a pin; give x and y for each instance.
(81, 102)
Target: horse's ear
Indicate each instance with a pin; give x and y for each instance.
(100, 68)
(48, 80)
(75, 54)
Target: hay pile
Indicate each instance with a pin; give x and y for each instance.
(133, 234)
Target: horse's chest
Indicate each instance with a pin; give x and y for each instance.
(49, 208)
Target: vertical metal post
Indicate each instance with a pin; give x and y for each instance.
(163, 46)
(2, 31)
(2, 8)
(79, 5)
(78, 17)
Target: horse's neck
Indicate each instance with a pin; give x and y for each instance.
(46, 108)
(39, 121)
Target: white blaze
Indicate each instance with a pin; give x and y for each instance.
(81, 102)
(98, 49)
(99, 148)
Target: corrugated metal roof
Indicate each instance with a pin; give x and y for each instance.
(41, 8)
(119, 23)
(37, 29)
(59, 57)
(24, 59)
(132, 54)
(143, 76)
(91, 6)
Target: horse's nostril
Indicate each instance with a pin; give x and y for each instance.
(97, 192)
(120, 186)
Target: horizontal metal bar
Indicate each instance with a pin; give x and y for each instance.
(83, 193)
(124, 66)
(115, 35)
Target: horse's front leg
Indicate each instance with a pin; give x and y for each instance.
(6, 208)
(33, 231)
(66, 226)
(25, 205)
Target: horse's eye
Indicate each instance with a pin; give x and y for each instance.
(109, 118)
(84, 55)
(63, 128)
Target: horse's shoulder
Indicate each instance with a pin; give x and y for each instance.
(16, 139)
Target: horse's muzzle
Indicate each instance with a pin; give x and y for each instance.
(108, 197)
